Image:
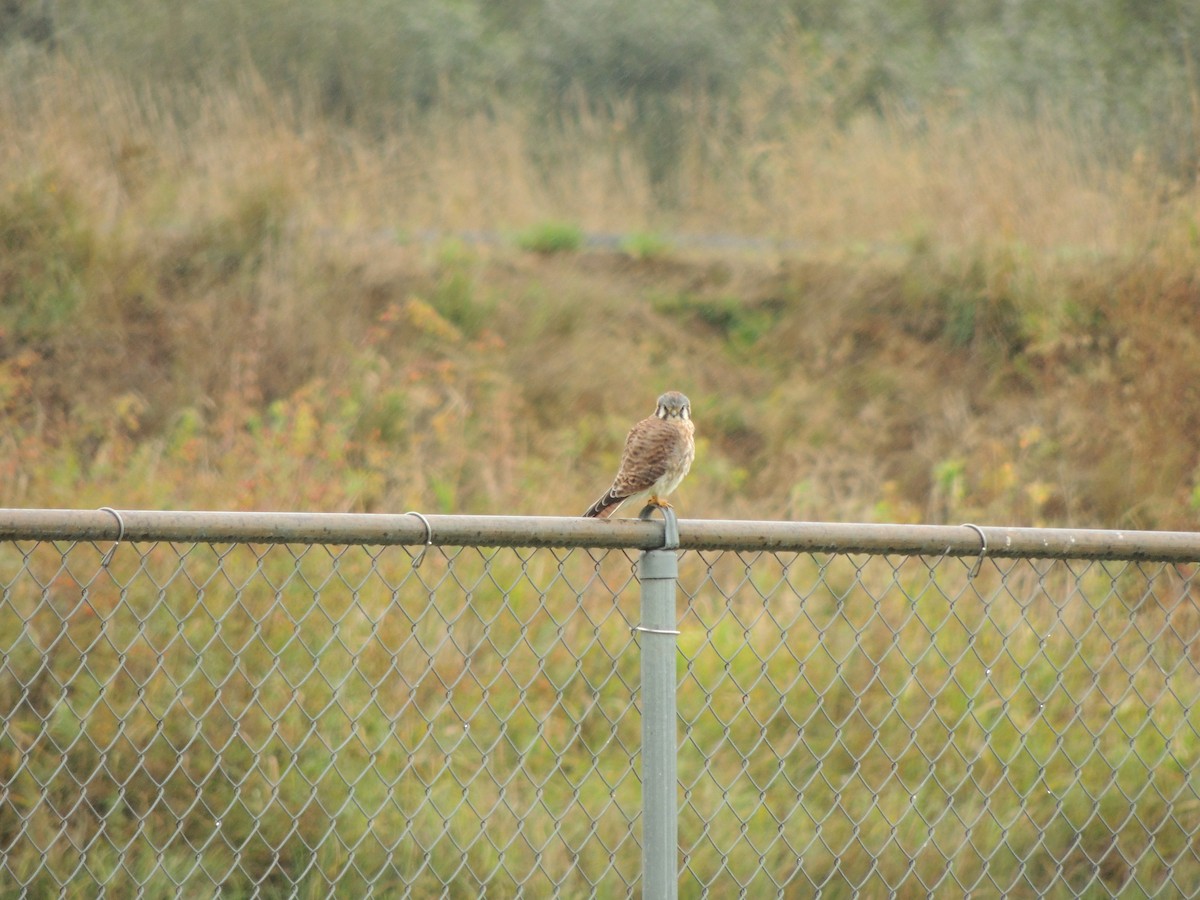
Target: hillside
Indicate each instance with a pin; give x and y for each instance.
(949, 318)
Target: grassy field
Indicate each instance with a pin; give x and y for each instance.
(334, 719)
(958, 316)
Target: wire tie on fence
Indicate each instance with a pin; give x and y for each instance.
(420, 557)
(645, 630)
(982, 553)
(670, 524)
(107, 558)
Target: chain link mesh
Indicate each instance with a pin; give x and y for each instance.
(274, 719)
(878, 725)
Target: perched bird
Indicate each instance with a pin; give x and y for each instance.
(658, 453)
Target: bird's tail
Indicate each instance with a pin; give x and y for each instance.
(604, 507)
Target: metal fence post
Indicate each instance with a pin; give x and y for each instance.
(658, 571)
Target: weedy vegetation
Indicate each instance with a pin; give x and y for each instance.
(255, 274)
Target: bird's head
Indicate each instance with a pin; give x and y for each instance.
(673, 405)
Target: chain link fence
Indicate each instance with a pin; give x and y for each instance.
(293, 710)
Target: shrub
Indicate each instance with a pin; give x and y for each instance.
(551, 237)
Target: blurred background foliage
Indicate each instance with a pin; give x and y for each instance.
(1129, 64)
(377, 244)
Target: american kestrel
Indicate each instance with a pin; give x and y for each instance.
(658, 453)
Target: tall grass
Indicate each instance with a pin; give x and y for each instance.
(967, 314)
(954, 323)
(317, 716)
(888, 725)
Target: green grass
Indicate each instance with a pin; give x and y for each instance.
(914, 731)
(350, 711)
(646, 245)
(551, 237)
(312, 716)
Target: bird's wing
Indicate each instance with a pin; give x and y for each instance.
(647, 452)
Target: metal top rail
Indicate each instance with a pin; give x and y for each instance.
(545, 531)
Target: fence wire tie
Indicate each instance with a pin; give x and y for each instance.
(670, 524)
(982, 553)
(420, 557)
(107, 558)
(670, 544)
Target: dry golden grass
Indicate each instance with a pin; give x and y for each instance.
(954, 178)
(967, 314)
